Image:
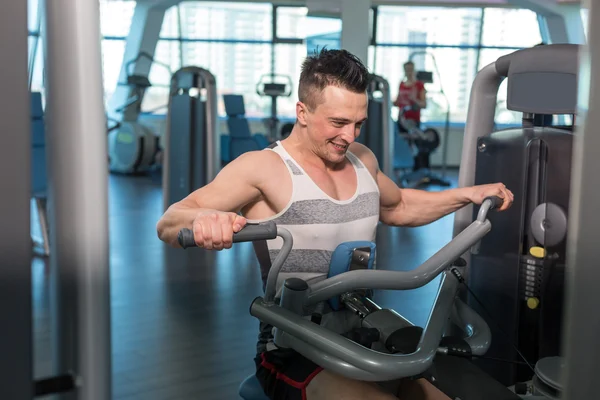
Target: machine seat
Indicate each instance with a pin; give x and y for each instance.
(250, 389)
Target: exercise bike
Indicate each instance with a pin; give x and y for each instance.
(423, 142)
(381, 345)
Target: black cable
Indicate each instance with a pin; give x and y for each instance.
(502, 360)
(460, 278)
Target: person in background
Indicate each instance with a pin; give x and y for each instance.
(411, 95)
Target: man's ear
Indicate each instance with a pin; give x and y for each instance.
(301, 113)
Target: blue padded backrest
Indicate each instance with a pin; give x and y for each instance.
(39, 179)
(341, 259)
(238, 127)
(36, 105)
(239, 146)
(234, 105)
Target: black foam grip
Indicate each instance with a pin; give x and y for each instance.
(251, 232)
(496, 201)
(185, 237)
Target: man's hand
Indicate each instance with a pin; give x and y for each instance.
(480, 192)
(213, 230)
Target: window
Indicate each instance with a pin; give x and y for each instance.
(288, 61)
(506, 27)
(112, 58)
(216, 20)
(33, 15)
(115, 17)
(431, 25)
(584, 12)
(167, 60)
(37, 72)
(293, 22)
(453, 77)
(170, 23)
(503, 116)
(237, 68)
(115, 22)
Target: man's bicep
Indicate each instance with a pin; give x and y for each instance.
(390, 194)
(233, 188)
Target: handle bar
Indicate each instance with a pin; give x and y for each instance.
(378, 279)
(249, 233)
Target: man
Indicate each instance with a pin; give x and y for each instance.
(326, 189)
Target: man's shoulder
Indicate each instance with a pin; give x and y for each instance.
(257, 161)
(365, 155)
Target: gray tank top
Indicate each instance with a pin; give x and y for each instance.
(318, 224)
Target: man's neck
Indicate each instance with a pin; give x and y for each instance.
(303, 148)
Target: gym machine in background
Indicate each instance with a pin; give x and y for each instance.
(133, 147)
(76, 148)
(518, 270)
(377, 132)
(274, 86)
(39, 174)
(192, 155)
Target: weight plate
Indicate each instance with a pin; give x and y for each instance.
(549, 370)
(548, 224)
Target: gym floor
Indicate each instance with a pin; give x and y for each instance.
(181, 328)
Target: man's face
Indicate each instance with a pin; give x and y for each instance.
(335, 122)
(409, 70)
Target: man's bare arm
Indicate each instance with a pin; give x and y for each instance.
(413, 207)
(236, 185)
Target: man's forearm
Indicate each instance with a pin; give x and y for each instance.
(419, 207)
(175, 218)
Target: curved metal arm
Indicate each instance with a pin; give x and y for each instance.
(479, 336)
(271, 287)
(400, 280)
(344, 356)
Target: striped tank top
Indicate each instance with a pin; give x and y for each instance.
(319, 223)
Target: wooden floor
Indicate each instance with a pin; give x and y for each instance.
(181, 328)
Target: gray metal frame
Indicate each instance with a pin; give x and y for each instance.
(387, 128)
(16, 361)
(482, 106)
(78, 195)
(197, 134)
(341, 355)
(582, 320)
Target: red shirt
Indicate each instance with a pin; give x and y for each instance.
(405, 92)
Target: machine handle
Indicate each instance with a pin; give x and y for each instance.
(496, 201)
(249, 233)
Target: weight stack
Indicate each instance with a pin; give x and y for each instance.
(518, 271)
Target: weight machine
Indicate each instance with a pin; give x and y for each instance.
(133, 147)
(274, 86)
(518, 271)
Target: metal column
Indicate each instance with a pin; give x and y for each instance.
(582, 319)
(78, 194)
(16, 369)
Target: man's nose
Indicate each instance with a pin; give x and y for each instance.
(350, 132)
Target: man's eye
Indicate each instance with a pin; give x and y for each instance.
(338, 124)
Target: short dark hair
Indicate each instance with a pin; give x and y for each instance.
(331, 68)
(409, 62)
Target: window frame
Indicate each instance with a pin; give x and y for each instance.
(374, 44)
